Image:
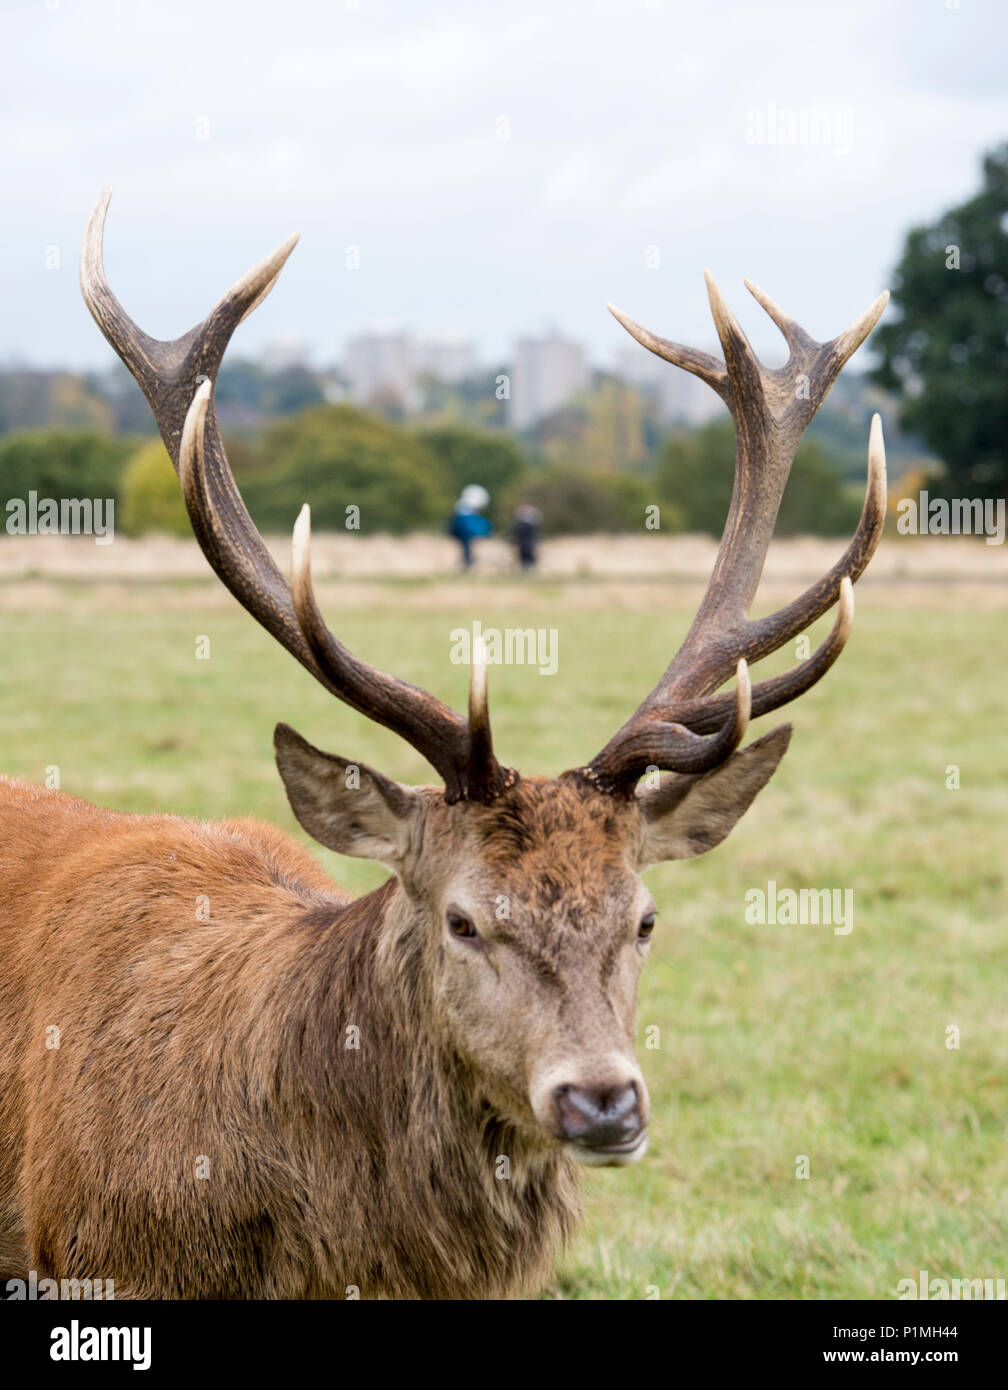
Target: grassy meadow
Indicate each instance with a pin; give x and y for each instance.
(775, 1041)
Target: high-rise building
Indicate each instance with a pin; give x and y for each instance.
(681, 397)
(379, 364)
(287, 350)
(449, 360)
(389, 364)
(545, 375)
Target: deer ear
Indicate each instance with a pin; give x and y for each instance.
(344, 805)
(690, 814)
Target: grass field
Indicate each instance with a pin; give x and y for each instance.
(775, 1041)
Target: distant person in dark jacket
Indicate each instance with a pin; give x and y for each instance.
(525, 534)
(467, 523)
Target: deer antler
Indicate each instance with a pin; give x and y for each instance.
(177, 378)
(771, 410)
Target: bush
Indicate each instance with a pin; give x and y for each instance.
(816, 502)
(61, 463)
(575, 503)
(337, 456)
(151, 497)
(246, 389)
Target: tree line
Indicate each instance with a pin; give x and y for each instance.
(363, 471)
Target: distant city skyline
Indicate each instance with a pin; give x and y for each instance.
(541, 374)
(478, 173)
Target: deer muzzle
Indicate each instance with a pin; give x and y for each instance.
(599, 1122)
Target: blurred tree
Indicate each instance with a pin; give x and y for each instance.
(576, 502)
(388, 402)
(607, 427)
(31, 400)
(948, 353)
(695, 473)
(335, 457)
(911, 484)
(493, 459)
(614, 435)
(245, 390)
(72, 406)
(815, 502)
(239, 387)
(58, 463)
(290, 390)
(131, 413)
(151, 498)
(475, 400)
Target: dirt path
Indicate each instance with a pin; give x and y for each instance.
(593, 571)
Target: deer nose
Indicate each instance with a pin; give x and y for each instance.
(598, 1117)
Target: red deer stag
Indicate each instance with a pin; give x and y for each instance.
(305, 1094)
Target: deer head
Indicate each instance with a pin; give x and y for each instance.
(522, 900)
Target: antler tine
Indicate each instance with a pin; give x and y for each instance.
(707, 715)
(485, 777)
(438, 732)
(757, 638)
(745, 380)
(770, 410)
(139, 351)
(226, 533)
(168, 372)
(176, 378)
(792, 333)
(171, 375)
(765, 635)
(701, 364)
(667, 743)
(406, 709)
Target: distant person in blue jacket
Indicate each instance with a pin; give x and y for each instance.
(467, 523)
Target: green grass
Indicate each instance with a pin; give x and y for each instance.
(775, 1041)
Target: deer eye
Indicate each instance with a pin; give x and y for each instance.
(461, 926)
(646, 926)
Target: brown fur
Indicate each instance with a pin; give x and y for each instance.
(204, 1130)
(179, 1037)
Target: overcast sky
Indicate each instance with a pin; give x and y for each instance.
(502, 167)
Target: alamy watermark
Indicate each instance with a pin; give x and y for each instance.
(33, 1289)
(512, 646)
(827, 907)
(806, 125)
(76, 1343)
(63, 516)
(959, 516)
(925, 1286)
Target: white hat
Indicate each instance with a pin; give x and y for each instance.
(474, 496)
